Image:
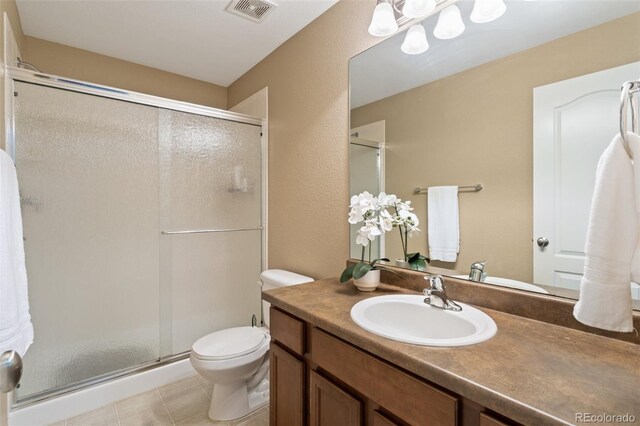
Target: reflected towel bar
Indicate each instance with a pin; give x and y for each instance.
(473, 188)
(627, 98)
(207, 231)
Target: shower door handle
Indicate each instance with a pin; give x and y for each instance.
(10, 371)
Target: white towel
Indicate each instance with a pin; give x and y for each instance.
(16, 331)
(612, 238)
(444, 223)
(634, 144)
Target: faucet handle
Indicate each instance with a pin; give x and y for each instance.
(479, 265)
(436, 282)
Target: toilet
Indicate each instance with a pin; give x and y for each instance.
(236, 360)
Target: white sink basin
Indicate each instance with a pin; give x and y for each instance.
(507, 282)
(406, 318)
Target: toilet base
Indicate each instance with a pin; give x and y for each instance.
(231, 401)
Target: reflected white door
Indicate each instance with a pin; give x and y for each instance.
(574, 121)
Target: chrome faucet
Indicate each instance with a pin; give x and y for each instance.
(437, 296)
(477, 271)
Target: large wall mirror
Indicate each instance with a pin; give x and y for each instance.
(523, 106)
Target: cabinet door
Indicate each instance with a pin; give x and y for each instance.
(287, 388)
(331, 406)
(487, 420)
(380, 419)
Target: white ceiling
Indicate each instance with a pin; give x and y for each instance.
(384, 70)
(194, 38)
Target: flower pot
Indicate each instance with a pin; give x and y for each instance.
(403, 264)
(369, 282)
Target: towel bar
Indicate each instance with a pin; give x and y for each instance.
(473, 188)
(627, 98)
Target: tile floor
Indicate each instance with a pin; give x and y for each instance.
(183, 403)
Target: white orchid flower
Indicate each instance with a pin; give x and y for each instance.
(387, 200)
(372, 230)
(355, 216)
(365, 201)
(386, 221)
(362, 239)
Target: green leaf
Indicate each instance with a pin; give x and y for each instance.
(347, 274)
(373, 264)
(419, 264)
(392, 271)
(411, 257)
(361, 270)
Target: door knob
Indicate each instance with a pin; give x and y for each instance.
(542, 242)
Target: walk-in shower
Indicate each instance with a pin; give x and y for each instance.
(143, 227)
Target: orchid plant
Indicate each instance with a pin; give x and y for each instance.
(373, 213)
(407, 224)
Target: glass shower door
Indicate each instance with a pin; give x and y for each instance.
(211, 216)
(143, 232)
(88, 173)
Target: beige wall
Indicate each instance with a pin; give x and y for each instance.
(54, 58)
(477, 127)
(8, 6)
(308, 136)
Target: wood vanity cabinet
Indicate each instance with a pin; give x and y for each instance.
(319, 380)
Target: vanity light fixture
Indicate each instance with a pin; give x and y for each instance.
(415, 42)
(450, 23)
(383, 22)
(416, 9)
(389, 13)
(487, 11)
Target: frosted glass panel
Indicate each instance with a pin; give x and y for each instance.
(213, 176)
(210, 179)
(215, 283)
(88, 173)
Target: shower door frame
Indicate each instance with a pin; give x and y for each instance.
(13, 74)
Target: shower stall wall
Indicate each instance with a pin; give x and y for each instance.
(142, 223)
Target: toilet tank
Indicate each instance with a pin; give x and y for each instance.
(276, 278)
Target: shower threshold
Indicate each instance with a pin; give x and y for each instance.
(34, 398)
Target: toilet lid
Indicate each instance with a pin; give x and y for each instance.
(229, 343)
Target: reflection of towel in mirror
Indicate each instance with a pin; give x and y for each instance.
(612, 241)
(16, 331)
(443, 223)
(634, 145)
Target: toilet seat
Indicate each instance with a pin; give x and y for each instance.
(229, 344)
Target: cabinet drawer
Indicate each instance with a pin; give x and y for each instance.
(403, 395)
(287, 330)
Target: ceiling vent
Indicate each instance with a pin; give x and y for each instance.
(253, 10)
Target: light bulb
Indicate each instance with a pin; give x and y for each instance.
(487, 11)
(383, 22)
(415, 9)
(415, 42)
(449, 24)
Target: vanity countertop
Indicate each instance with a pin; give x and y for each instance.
(530, 371)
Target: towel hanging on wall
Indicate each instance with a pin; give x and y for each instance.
(16, 330)
(443, 223)
(613, 241)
